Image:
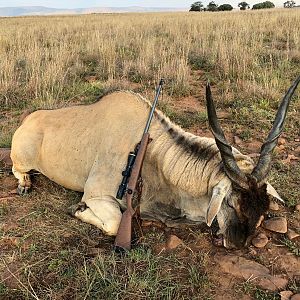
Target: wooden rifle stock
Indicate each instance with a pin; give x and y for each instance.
(123, 238)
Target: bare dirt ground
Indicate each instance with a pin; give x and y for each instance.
(46, 254)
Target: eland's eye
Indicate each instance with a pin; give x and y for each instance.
(229, 203)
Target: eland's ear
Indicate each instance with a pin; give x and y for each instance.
(271, 191)
(218, 194)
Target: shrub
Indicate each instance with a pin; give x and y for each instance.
(262, 5)
(224, 7)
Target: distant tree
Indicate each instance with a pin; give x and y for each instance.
(262, 5)
(197, 6)
(224, 7)
(212, 6)
(243, 5)
(289, 4)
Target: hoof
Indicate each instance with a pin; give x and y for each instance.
(23, 190)
(81, 206)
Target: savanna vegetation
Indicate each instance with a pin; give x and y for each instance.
(250, 58)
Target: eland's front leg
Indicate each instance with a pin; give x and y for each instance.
(102, 212)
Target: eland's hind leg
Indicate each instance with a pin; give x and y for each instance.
(24, 181)
(24, 153)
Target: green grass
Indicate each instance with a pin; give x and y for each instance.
(247, 288)
(292, 246)
(260, 294)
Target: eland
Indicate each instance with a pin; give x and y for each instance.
(187, 179)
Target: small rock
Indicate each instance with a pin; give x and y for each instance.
(273, 206)
(290, 264)
(297, 140)
(261, 218)
(285, 295)
(244, 268)
(296, 297)
(281, 148)
(253, 252)
(271, 283)
(277, 224)
(260, 241)
(237, 140)
(292, 234)
(297, 207)
(281, 141)
(240, 266)
(173, 242)
(289, 158)
(297, 151)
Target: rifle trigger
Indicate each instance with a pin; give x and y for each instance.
(129, 191)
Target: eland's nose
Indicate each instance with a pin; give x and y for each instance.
(219, 240)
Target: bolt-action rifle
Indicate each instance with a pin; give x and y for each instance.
(130, 181)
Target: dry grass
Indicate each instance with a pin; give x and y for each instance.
(47, 61)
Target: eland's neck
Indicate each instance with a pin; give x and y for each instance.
(184, 161)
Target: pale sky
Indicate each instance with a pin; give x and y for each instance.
(95, 3)
(120, 3)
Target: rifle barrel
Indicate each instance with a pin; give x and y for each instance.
(158, 90)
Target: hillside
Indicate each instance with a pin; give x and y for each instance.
(41, 10)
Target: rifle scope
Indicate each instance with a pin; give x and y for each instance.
(126, 174)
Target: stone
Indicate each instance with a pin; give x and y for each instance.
(271, 283)
(252, 252)
(290, 264)
(276, 224)
(295, 297)
(297, 150)
(297, 207)
(241, 267)
(285, 295)
(280, 148)
(273, 206)
(173, 242)
(260, 240)
(261, 218)
(237, 140)
(297, 140)
(281, 141)
(289, 158)
(292, 234)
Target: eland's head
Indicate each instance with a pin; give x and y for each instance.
(247, 200)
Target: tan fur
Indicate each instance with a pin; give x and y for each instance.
(85, 148)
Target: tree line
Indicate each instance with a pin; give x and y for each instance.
(212, 6)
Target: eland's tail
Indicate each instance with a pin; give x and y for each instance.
(5, 161)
